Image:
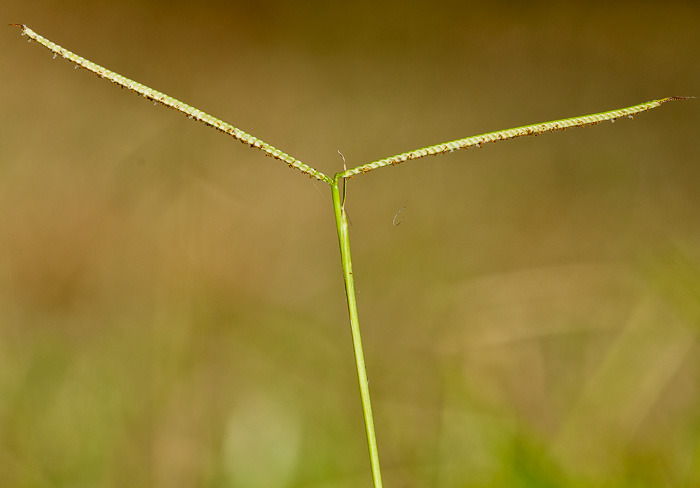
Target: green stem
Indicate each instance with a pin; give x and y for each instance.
(341, 221)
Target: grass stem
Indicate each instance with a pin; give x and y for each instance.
(341, 221)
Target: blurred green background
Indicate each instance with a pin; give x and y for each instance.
(172, 310)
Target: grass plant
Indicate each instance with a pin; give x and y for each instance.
(338, 183)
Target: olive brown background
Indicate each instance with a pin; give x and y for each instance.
(172, 310)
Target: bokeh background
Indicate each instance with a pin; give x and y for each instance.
(172, 310)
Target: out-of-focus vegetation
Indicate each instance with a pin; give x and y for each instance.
(171, 302)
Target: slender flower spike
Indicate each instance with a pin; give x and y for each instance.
(502, 135)
(211, 121)
(173, 103)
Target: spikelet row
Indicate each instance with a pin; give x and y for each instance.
(473, 141)
(502, 135)
(173, 103)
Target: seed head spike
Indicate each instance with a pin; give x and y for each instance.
(503, 135)
(173, 103)
(478, 141)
